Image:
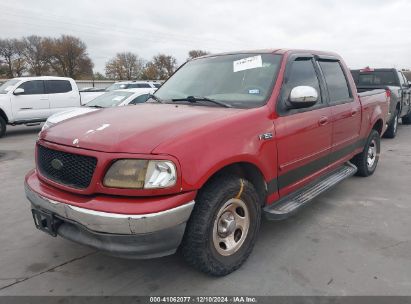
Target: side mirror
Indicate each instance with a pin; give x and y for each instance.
(303, 97)
(18, 91)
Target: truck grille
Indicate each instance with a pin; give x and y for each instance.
(69, 169)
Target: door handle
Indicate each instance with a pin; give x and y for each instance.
(353, 112)
(323, 121)
(44, 98)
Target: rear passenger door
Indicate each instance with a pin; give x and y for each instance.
(31, 105)
(405, 93)
(61, 95)
(303, 135)
(345, 109)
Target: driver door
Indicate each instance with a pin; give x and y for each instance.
(33, 104)
(304, 136)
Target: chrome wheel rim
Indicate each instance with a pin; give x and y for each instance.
(231, 227)
(372, 154)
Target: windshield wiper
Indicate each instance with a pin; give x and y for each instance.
(152, 96)
(193, 99)
(96, 106)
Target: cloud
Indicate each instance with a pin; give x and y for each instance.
(365, 33)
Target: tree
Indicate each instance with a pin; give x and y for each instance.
(160, 67)
(34, 53)
(8, 52)
(68, 56)
(196, 53)
(125, 66)
(18, 63)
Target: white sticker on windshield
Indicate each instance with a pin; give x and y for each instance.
(247, 63)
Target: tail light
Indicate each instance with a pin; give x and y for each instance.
(388, 93)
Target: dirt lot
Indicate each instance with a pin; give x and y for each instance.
(354, 240)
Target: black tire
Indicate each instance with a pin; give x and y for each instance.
(406, 120)
(391, 131)
(3, 126)
(361, 160)
(198, 245)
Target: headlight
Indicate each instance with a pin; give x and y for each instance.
(47, 125)
(139, 174)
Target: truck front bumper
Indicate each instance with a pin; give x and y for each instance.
(125, 235)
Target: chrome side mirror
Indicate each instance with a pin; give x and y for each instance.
(303, 97)
(18, 91)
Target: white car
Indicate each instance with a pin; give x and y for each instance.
(116, 98)
(133, 84)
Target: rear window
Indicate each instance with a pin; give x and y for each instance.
(58, 86)
(376, 78)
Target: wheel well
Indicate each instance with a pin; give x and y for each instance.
(249, 172)
(378, 126)
(2, 114)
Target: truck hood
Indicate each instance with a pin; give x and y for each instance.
(134, 129)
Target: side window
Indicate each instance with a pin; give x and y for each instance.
(58, 86)
(140, 99)
(302, 73)
(32, 87)
(337, 85)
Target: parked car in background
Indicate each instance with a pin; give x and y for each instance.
(133, 84)
(399, 91)
(226, 139)
(111, 99)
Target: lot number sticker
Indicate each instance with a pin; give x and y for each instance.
(247, 63)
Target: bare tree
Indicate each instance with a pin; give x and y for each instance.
(125, 66)
(8, 53)
(196, 53)
(161, 67)
(35, 54)
(19, 63)
(68, 56)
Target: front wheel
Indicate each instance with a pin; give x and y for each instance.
(3, 126)
(406, 120)
(367, 160)
(223, 227)
(391, 131)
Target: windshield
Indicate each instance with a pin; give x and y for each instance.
(240, 80)
(109, 99)
(8, 85)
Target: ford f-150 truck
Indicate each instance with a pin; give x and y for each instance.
(227, 139)
(399, 91)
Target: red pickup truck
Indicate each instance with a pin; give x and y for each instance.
(227, 139)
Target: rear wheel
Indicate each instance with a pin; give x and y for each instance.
(3, 126)
(223, 227)
(367, 160)
(391, 131)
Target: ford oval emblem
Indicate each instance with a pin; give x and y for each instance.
(57, 164)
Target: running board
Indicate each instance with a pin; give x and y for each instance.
(291, 203)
